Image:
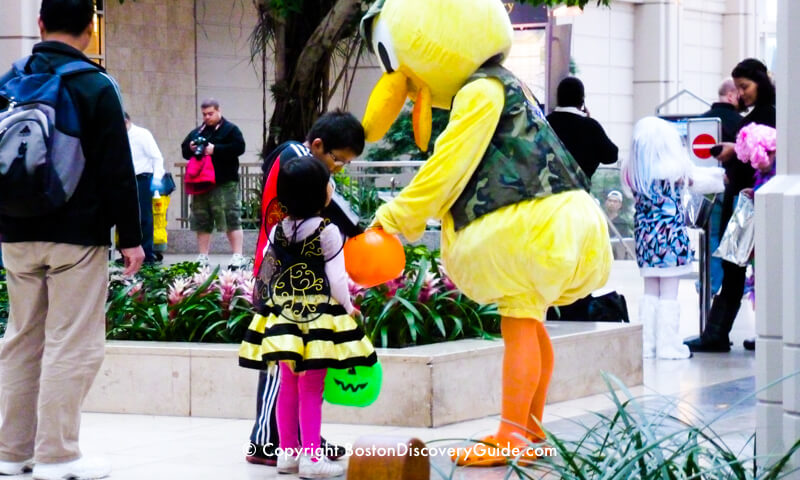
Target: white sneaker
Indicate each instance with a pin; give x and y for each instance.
(202, 259)
(288, 463)
(318, 468)
(80, 469)
(237, 261)
(15, 468)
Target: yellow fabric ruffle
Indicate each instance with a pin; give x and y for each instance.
(530, 255)
(304, 345)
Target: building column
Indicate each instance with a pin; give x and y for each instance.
(18, 30)
(778, 261)
(656, 54)
(739, 33)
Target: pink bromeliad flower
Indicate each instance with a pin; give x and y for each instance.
(228, 285)
(178, 290)
(430, 285)
(137, 287)
(246, 288)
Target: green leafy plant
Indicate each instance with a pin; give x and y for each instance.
(422, 306)
(398, 143)
(183, 303)
(645, 438)
(180, 303)
(251, 209)
(363, 196)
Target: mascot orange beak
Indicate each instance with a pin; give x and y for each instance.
(386, 102)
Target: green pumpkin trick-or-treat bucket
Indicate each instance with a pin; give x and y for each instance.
(354, 386)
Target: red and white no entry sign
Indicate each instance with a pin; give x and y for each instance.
(701, 145)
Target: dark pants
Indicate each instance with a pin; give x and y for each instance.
(146, 214)
(265, 429)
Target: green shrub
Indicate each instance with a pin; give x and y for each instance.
(181, 303)
(423, 306)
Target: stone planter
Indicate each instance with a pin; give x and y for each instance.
(423, 386)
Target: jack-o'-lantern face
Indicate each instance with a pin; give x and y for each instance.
(354, 386)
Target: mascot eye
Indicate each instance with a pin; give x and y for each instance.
(382, 45)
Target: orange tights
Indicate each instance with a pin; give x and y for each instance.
(527, 369)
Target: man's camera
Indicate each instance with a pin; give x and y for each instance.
(200, 144)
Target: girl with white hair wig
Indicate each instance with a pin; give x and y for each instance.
(657, 173)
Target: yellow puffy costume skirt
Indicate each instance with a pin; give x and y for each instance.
(531, 255)
(321, 341)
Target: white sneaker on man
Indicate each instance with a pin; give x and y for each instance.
(288, 463)
(202, 259)
(318, 468)
(237, 261)
(15, 468)
(80, 469)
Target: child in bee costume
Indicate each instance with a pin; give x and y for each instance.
(518, 226)
(305, 322)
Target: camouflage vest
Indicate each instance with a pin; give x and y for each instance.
(524, 160)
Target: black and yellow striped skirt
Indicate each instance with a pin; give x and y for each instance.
(315, 341)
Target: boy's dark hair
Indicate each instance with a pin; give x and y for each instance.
(67, 16)
(303, 186)
(338, 130)
(570, 93)
(756, 71)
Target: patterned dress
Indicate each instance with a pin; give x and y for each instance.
(662, 242)
(299, 321)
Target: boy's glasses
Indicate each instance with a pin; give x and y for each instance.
(337, 161)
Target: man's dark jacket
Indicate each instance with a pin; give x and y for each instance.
(585, 139)
(729, 116)
(106, 194)
(228, 145)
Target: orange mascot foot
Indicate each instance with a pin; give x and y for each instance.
(493, 452)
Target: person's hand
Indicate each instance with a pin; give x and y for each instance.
(747, 192)
(192, 145)
(357, 316)
(209, 149)
(134, 257)
(727, 152)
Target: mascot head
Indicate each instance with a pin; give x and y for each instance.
(428, 49)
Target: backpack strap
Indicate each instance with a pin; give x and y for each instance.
(74, 67)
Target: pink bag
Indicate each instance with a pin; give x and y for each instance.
(200, 177)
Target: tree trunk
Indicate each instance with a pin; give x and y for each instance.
(303, 71)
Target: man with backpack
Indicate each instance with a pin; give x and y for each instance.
(64, 152)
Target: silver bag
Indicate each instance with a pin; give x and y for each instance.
(739, 237)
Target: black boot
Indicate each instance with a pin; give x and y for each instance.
(718, 325)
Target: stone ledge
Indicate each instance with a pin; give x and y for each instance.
(425, 386)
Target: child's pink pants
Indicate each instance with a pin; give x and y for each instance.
(300, 402)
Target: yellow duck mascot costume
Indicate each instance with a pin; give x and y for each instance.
(518, 226)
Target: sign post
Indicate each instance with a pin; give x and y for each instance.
(701, 135)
